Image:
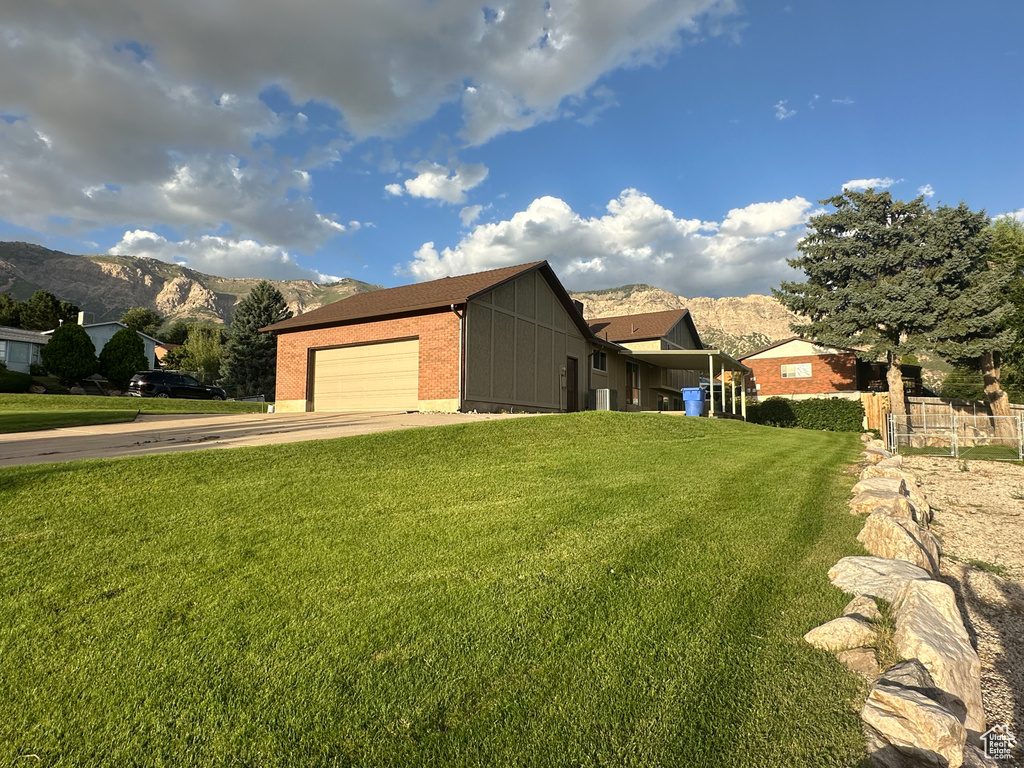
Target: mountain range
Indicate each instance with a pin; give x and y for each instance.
(106, 286)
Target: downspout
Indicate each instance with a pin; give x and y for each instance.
(462, 346)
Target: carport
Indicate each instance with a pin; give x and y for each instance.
(702, 360)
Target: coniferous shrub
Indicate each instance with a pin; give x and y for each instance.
(70, 354)
(122, 357)
(830, 414)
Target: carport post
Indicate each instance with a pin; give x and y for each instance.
(732, 387)
(722, 373)
(743, 395)
(711, 386)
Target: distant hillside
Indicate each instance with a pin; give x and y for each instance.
(734, 324)
(108, 285)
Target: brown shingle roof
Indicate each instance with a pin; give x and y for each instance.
(650, 325)
(405, 298)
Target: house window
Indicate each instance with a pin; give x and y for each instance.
(18, 352)
(632, 384)
(599, 361)
(796, 371)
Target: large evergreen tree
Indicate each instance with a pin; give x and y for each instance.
(870, 280)
(42, 312)
(122, 357)
(973, 311)
(250, 359)
(70, 354)
(143, 319)
(10, 311)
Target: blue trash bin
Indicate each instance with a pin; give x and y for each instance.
(693, 401)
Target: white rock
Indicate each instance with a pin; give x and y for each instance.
(874, 576)
(863, 607)
(867, 501)
(898, 539)
(915, 725)
(885, 484)
(860, 661)
(929, 628)
(841, 634)
(876, 470)
(895, 462)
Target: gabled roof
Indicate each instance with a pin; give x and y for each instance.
(20, 334)
(435, 294)
(649, 325)
(111, 322)
(798, 338)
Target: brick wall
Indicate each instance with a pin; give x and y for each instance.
(438, 333)
(829, 373)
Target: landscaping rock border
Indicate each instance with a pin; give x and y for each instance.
(925, 709)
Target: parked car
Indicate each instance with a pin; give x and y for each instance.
(171, 384)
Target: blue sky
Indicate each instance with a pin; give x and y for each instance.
(682, 143)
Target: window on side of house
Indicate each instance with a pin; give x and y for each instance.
(599, 361)
(18, 351)
(796, 371)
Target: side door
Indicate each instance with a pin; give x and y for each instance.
(189, 387)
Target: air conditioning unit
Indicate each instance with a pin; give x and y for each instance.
(603, 400)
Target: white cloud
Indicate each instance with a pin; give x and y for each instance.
(218, 256)
(636, 241)
(926, 190)
(395, 189)
(781, 113)
(844, 101)
(876, 183)
(386, 64)
(470, 213)
(437, 182)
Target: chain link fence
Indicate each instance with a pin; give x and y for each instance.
(948, 433)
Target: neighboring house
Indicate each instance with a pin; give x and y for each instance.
(19, 349)
(648, 386)
(162, 348)
(797, 367)
(101, 333)
(506, 339)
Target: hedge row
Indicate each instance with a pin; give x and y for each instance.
(831, 414)
(14, 382)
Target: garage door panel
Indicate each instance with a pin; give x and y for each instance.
(374, 377)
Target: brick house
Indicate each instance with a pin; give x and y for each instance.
(797, 367)
(505, 339)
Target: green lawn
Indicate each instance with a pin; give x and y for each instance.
(595, 589)
(29, 421)
(22, 413)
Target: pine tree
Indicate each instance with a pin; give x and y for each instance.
(973, 308)
(869, 280)
(10, 311)
(250, 359)
(70, 354)
(142, 319)
(122, 357)
(41, 312)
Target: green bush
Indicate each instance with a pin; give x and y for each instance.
(829, 414)
(37, 370)
(122, 357)
(14, 382)
(70, 354)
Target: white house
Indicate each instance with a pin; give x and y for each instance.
(19, 348)
(101, 333)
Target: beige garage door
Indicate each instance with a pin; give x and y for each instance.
(374, 377)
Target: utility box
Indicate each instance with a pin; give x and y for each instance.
(603, 400)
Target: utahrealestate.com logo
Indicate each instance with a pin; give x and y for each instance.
(998, 742)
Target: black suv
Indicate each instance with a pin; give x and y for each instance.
(171, 384)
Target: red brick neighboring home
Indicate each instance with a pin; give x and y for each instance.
(506, 339)
(797, 367)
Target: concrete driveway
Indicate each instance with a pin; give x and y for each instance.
(180, 432)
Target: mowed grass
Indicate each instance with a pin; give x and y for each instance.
(594, 589)
(23, 413)
(32, 421)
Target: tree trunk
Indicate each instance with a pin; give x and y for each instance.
(997, 399)
(897, 397)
